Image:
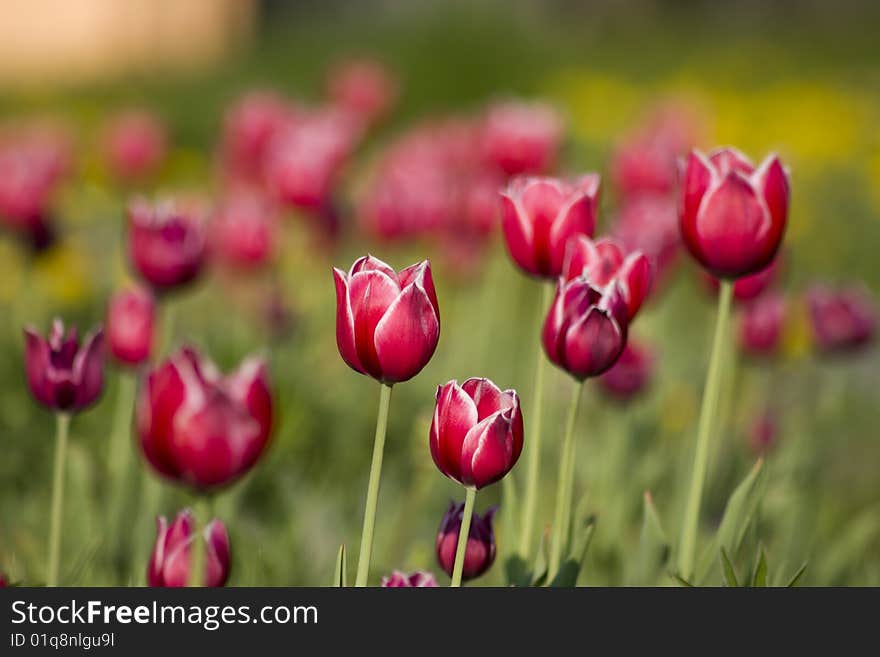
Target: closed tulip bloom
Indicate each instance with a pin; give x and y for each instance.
(733, 216)
(477, 432)
(631, 374)
(248, 127)
(586, 327)
(760, 327)
(64, 374)
(387, 322)
(166, 242)
(131, 319)
(540, 215)
(417, 580)
(843, 319)
(649, 223)
(522, 138)
(199, 427)
(172, 556)
(480, 549)
(135, 144)
(604, 261)
(363, 87)
(244, 229)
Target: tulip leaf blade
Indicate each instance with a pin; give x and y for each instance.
(340, 577)
(653, 551)
(797, 576)
(681, 580)
(759, 579)
(728, 569)
(571, 568)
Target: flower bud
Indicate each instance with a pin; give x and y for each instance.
(418, 579)
(841, 320)
(480, 549)
(244, 229)
(170, 562)
(760, 326)
(131, 319)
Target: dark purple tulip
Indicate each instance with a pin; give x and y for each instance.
(170, 561)
(63, 374)
(418, 579)
(760, 327)
(842, 319)
(480, 550)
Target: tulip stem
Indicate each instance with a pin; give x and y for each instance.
(534, 465)
(366, 550)
(201, 518)
(707, 415)
(463, 533)
(564, 490)
(62, 427)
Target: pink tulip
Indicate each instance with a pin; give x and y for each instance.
(842, 319)
(171, 561)
(135, 143)
(522, 138)
(131, 325)
(363, 87)
(761, 323)
(631, 374)
(418, 579)
(480, 547)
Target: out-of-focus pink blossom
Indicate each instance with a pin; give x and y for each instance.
(248, 127)
(649, 223)
(418, 579)
(244, 228)
(521, 137)
(364, 87)
(764, 432)
(135, 143)
(842, 319)
(631, 374)
(761, 323)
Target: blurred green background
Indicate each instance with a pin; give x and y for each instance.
(800, 78)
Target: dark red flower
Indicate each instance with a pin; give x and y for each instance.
(843, 319)
(480, 549)
(749, 287)
(522, 138)
(764, 433)
(131, 319)
(248, 127)
(135, 143)
(171, 560)
(761, 323)
(418, 579)
(632, 372)
(649, 223)
(244, 229)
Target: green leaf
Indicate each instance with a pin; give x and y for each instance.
(508, 520)
(729, 572)
(572, 566)
(340, 577)
(759, 579)
(517, 571)
(681, 580)
(797, 576)
(653, 550)
(542, 564)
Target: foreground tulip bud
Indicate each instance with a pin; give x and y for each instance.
(760, 328)
(244, 229)
(540, 215)
(172, 553)
(418, 579)
(733, 216)
(521, 138)
(843, 319)
(199, 427)
(477, 432)
(63, 374)
(586, 327)
(387, 322)
(631, 374)
(480, 550)
(131, 318)
(135, 144)
(602, 262)
(166, 242)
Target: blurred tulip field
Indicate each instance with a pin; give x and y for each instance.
(220, 197)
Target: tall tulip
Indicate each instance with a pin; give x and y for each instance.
(66, 376)
(176, 561)
(476, 438)
(387, 327)
(732, 221)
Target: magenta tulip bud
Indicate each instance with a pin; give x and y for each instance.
(418, 579)
(199, 427)
(732, 215)
(244, 229)
(631, 374)
(477, 432)
(363, 87)
(63, 374)
(540, 215)
(387, 323)
(131, 320)
(480, 550)
(166, 242)
(522, 138)
(171, 558)
(760, 327)
(841, 320)
(586, 327)
(135, 144)
(248, 127)
(604, 261)
(649, 223)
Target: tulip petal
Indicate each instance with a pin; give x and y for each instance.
(729, 159)
(772, 179)
(36, 361)
(88, 369)
(161, 397)
(592, 344)
(487, 452)
(249, 387)
(345, 323)
(371, 293)
(576, 216)
(218, 554)
(372, 263)
(635, 278)
(157, 559)
(454, 415)
(487, 397)
(517, 233)
(407, 335)
(420, 273)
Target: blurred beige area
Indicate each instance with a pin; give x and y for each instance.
(76, 40)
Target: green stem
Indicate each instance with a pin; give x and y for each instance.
(201, 518)
(707, 415)
(534, 442)
(119, 469)
(167, 318)
(366, 551)
(564, 489)
(62, 427)
(463, 533)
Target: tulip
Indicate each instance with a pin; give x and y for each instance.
(131, 319)
(732, 215)
(418, 579)
(245, 229)
(604, 261)
(749, 287)
(363, 87)
(477, 432)
(172, 564)
(649, 223)
(480, 549)
(522, 138)
(135, 143)
(63, 374)
(631, 374)
(760, 328)
(166, 242)
(540, 215)
(387, 323)
(248, 127)
(841, 320)
(28, 177)
(199, 427)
